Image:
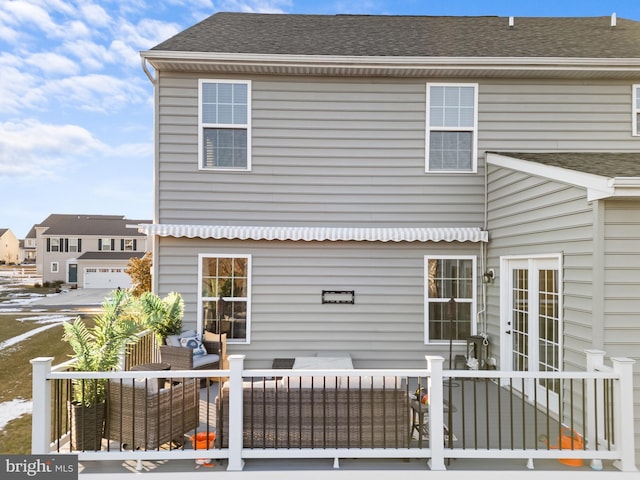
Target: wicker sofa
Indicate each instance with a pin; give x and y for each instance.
(142, 416)
(327, 412)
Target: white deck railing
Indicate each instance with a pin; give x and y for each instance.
(598, 406)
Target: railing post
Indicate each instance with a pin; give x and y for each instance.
(41, 394)
(236, 396)
(623, 412)
(436, 412)
(595, 362)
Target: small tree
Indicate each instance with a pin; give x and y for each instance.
(139, 269)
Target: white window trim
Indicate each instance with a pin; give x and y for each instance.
(473, 130)
(473, 301)
(200, 320)
(55, 245)
(202, 126)
(635, 110)
(55, 267)
(106, 241)
(131, 242)
(73, 243)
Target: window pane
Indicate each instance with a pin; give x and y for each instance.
(224, 148)
(450, 150)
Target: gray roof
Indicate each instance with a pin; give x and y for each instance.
(604, 164)
(110, 255)
(3, 231)
(409, 36)
(107, 225)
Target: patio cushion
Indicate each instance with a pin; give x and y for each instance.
(200, 360)
(193, 343)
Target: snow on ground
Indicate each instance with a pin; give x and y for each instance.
(49, 321)
(14, 409)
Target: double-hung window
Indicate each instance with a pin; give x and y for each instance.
(452, 127)
(225, 125)
(450, 298)
(635, 110)
(225, 295)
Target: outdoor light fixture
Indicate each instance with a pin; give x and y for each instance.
(488, 276)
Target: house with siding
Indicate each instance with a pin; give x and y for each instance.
(9, 247)
(395, 186)
(88, 251)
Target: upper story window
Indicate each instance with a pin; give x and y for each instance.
(450, 286)
(74, 245)
(128, 244)
(225, 125)
(106, 244)
(54, 244)
(452, 127)
(636, 111)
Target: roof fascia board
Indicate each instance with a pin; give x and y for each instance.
(156, 58)
(597, 186)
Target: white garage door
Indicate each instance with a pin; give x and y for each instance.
(106, 277)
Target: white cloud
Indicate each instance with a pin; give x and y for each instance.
(53, 63)
(256, 6)
(17, 86)
(99, 93)
(95, 15)
(26, 13)
(31, 149)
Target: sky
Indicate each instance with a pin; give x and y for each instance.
(76, 109)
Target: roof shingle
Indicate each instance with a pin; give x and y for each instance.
(409, 36)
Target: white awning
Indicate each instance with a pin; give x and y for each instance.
(319, 234)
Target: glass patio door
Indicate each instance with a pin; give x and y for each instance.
(532, 324)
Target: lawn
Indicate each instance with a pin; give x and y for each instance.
(15, 373)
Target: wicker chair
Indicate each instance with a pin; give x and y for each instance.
(181, 358)
(143, 417)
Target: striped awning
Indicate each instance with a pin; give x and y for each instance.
(319, 234)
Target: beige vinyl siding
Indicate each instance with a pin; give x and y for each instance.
(529, 216)
(383, 329)
(324, 153)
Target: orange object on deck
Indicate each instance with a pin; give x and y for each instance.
(204, 441)
(569, 440)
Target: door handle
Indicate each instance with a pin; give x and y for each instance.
(508, 332)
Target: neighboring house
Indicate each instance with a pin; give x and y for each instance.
(90, 251)
(9, 247)
(28, 247)
(403, 162)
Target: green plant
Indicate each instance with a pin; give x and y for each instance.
(162, 315)
(99, 349)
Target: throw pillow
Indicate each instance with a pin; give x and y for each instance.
(195, 344)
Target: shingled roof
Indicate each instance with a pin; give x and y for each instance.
(409, 36)
(108, 225)
(605, 164)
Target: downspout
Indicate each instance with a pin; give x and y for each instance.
(156, 163)
(147, 72)
(481, 317)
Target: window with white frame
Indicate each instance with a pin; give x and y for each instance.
(635, 120)
(55, 267)
(225, 295)
(450, 292)
(452, 127)
(128, 245)
(54, 245)
(74, 245)
(225, 124)
(105, 244)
